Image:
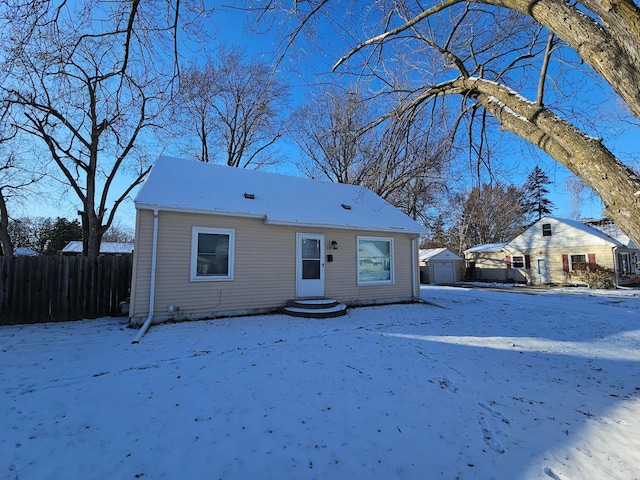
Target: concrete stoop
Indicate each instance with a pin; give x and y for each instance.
(315, 308)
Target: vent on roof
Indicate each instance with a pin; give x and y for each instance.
(346, 207)
(250, 196)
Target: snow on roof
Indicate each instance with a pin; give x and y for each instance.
(486, 247)
(105, 247)
(196, 187)
(608, 227)
(440, 253)
(25, 252)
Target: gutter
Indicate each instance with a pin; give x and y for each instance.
(152, 285)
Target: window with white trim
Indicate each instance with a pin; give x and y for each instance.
(212, 254)
(546, 229)
(577, 261)
(375, 260)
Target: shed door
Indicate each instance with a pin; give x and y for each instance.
(444, 272)
(309, 265)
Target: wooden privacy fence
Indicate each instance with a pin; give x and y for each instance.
(59, 288)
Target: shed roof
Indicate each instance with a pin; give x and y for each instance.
(486, 247)
(196, 187)
(437, 254)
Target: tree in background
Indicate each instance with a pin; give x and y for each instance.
(489, 54)
(44, 235)
(235, 108)
(488, 214)
(537, 203)
(86, 79)
(59, 233)
(401, 160)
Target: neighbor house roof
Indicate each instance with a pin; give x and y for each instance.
(25, 252)
(565, 233)
(196, 187)
(437, 254)
(486, 247)
(105, 247)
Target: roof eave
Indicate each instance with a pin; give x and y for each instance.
(268, 221)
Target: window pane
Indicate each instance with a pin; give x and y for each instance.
(310, 248)
(374, 260)
(578, 259)
(311, 269)
(546, 229)
(213, 254)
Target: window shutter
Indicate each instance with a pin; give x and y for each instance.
(527, 261)
(592, 258)
(508, 258)
(565, 262)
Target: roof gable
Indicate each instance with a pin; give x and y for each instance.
(437, 254)
(564, 233)
(196, 187)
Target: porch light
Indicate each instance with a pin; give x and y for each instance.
(334, 244)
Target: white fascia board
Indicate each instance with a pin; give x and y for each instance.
(163, 208)
(285, 223)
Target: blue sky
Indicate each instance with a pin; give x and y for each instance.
(228, 25)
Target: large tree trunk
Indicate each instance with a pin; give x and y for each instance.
(616, 184)
(5, 239)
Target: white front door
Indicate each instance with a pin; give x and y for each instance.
(309, 265)
(543, 271)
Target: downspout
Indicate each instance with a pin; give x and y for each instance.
(152, 285)
(414, 271)
(614, 251)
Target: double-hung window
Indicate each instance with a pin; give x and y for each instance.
(375, 260)
(518, 262)
(578, 262)
(212, 252)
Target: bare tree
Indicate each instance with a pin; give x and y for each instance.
(401, 160)
(489, 53)
(87, 79)
(15, 179)
(235, 107)
(489, 214)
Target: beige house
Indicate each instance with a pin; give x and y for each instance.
(440, 266)
(548, 251)
(218, 241)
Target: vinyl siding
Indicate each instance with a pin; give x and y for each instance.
(491, 266)
(264, 267)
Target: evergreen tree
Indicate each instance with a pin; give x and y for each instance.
(537, 204)
(61, 232)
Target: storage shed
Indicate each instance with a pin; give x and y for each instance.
(440, 266)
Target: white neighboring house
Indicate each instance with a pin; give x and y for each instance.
(214, 241)
(549, 251)
(106, 248)
(440, 266)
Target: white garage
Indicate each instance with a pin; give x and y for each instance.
(440, 266)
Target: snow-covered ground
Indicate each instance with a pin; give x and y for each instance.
(491, 384)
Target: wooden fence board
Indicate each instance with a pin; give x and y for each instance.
(61, 288)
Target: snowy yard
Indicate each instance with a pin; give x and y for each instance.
(495, 385)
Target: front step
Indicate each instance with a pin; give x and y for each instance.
(315, 308)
